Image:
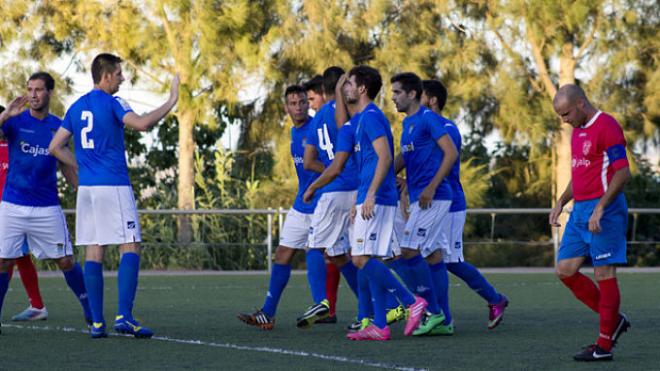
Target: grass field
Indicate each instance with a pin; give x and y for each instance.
(196, 328)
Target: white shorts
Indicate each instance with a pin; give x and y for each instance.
(453, 230)
(330, 222)
(399, 226)
(44, 229)
(295, 231)
(373, 237)
(423, 230)
(106, 215)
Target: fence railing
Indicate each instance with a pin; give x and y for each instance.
(493, 213)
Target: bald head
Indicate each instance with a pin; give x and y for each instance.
(572, 105)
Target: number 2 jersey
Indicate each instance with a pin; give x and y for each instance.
(324, 138)
(96, 122)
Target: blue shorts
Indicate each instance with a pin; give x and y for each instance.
(605, 248)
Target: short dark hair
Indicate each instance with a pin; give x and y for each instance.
(368, 77)
(434, 88)
(2, 108)
(102, 64)
(409, 82)
(294, 89)
(45, 77)
(331, 76)
(314, 84)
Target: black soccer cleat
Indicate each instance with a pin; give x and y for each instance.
(593, 353)
(313, 313)
(327, 320)
(621, 327)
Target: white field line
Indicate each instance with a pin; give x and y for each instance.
(296, 353)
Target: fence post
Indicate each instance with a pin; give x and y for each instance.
(492, 227)
(279, 221)
(634, 228)
(270, 240)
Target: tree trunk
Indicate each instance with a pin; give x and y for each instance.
(186, 186)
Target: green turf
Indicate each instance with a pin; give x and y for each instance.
(543, 327)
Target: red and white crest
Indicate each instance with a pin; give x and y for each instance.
(586, 147)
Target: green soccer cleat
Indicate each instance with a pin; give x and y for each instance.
(443, 330)
(429, 322)
(397, 314)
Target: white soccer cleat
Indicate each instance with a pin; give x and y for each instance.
(31, 314)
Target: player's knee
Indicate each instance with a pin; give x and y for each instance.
(563, 272)
(5, 264)
(283, 255)
(65, 263)
(604, 273)
(339, 261)
(360, 261)
(408, 253)
(434, 258)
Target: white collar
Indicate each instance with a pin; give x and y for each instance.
(591, 122)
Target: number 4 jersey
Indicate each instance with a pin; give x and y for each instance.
(96, 122)
(325, 139)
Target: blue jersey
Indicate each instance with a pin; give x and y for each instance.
(32, 175)
(325, 142)
(96, 122)
(371, 125)
(454, 178)
(299, 138)
(422, 154)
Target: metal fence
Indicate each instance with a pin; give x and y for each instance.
(271, 214)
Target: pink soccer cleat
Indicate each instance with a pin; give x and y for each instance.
(496, 312)
(415, 313)
(371, 332)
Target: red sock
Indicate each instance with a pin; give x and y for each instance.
(29, 278)
(610, 300)
(584, 289)
(332, 285)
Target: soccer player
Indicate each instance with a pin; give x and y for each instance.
(369, 137)
(434, 96)
(30, 208)
(295, 231)
(428, 154)
(106, 213)
(315, 96)
(36, 310)
(330, 223)
(597, 226)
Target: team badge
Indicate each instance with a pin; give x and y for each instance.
(421, 232)
(586, 146)
(372, 237)
(130, 225)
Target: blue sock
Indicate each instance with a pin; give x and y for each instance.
(127, 281)
(316, 274)
(382, 275)
(278, 280)
(391, 301)
(76, 281)
(441, 280)
(424, 284)
(378, 294)
(94, 286)
(4, 287)
(349, 271)
(401, 268)
(365, 306)
(477, 282)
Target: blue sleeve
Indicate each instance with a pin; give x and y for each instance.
(455, 135)
(373, 126)
(345, 139)
(66, 123)
(435, 126)
(313, 136)
(120, 108)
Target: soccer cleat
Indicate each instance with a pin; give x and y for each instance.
(132, 327)
(258, 319)
(31, 314)
(97, 330)
(371, 332)
(416, 311)
(429, 322)
(327, 320)
(443, 330)
(313, 313)
(496, 312)
(359, 325)
(397, 314)
(621, 327)
(593, 353)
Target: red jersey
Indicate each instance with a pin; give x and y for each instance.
(598, 151)
(4, 164)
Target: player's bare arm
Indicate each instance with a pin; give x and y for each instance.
(70, 174)
(382, 149)
(148, 120)
(328, 175)
(619, 180)
(451, 154)
(310, 159)
(565, 198)
(14, 109)
(399, 163)
(341, 112)
(58, 147)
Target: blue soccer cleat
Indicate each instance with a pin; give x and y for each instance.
(132, 327)
(97, 330)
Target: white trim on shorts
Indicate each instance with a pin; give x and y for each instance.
(331, 221)
(106, 215)
(295, 231)
(43, 227)
(424, 229)
(453, 229)
(373, 237)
